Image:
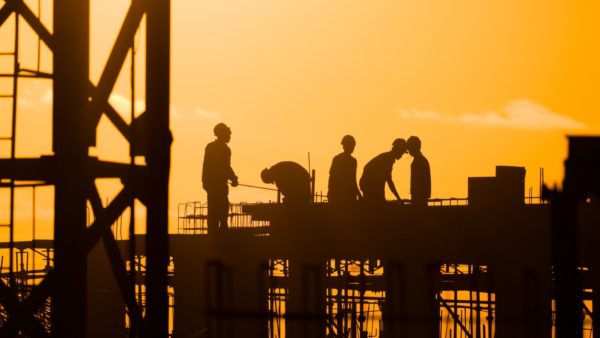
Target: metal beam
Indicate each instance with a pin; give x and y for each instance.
(34, 22)
(158, 19)
(126, 285)
(72, 129)
(19, 316)
(6, 11)
(117, 57)
(106, 218)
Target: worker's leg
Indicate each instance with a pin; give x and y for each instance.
(218, 210)
(223, 211)
(418, 201)
(212, 220)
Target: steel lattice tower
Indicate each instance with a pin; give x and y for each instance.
(78, 105)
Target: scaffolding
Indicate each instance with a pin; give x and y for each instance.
(49, 298)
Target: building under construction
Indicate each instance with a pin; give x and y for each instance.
(495, 264)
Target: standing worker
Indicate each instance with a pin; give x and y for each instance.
(420, 175)
(291, 179)
(378, 172)
(216, 172)
(342, 175)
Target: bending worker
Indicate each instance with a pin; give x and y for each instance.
(342, 175)
(378, 172)
(291, 179)
(216, 172)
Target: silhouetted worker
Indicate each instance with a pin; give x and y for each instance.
(420, 176)
(292, 180)
(216, 171)
(378, 172)
(342, 174)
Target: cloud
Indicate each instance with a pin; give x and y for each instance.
(518, 114)
(194, 114)
(209, 115)
(120, 102)
(123, 104)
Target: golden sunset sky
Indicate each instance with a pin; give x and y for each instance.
(482, 83)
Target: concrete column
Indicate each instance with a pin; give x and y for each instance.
(523, 303)
(189, 285)
(411, 308)
(305, 309)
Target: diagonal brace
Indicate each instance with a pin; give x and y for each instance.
(126, 285)
(20, 314)
(6, 11)
(117, 56)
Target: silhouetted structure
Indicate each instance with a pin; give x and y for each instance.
(292, 180)
(78, 106)
(378, 172)
(216, 173)
(342, 175)
(420, 175)
(506, 188)
(574, 247)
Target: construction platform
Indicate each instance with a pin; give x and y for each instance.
(357, 271)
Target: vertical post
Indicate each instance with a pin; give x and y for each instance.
(72, 130)
(313, 179)
(568, 292)
(13, 141)
(158, 18)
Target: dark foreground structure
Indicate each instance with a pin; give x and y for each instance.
(81, 220)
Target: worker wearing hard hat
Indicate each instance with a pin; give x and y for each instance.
(292, 181)
(342, 174)
(420, 175)
(378, 172)
(216, 172)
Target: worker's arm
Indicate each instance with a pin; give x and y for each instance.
(206, 167)
(428, 180)
(356, 190)
(392, 186)
(232, 177)
(231, 174)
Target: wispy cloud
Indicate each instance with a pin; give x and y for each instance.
(194, 114)
(518, 114)
(123, 103)
(209, 115)
(120, 102)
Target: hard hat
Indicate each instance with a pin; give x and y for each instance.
(348, 139)
(221, 129)
(399, 142)
(414, 140)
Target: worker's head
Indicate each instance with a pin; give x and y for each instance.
(348, 142)
(222, 132)
(267, 176)
(398, 148)
(414, 145)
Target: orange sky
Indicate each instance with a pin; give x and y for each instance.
(481, 82)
